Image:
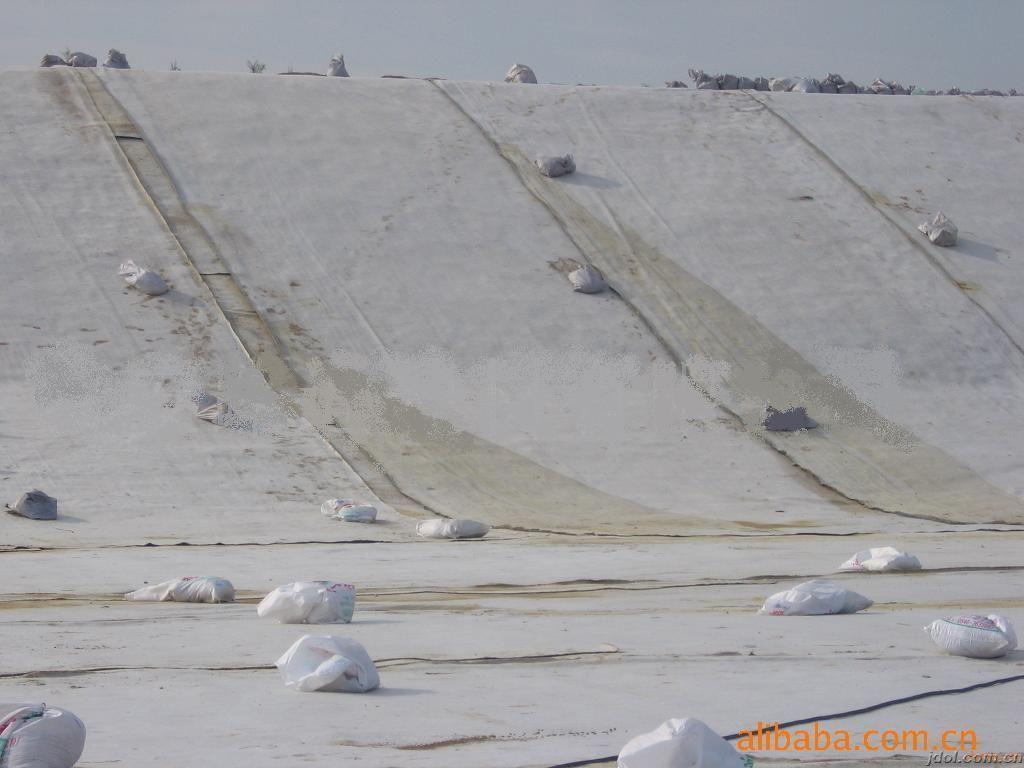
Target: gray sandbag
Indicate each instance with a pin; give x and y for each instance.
(554, 166)
(520, 73)
(52, 60)
(38, 736)
(761, 84)
(940, 230)
(675, 84)
(790, 420)
(703, 81)
(116, 60)
(337, 66)
(849, 87)
(587, 279)
(745, 84)
(79, 59)
(806, 85)
(954, 91)
(35, 505)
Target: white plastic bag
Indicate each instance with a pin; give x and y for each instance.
(337, 67)
(881, 559)
(680, 743)
(327, 663)
(818, 597)
(440, 528)
(781, 83)
(38, 736)
(214, 410)
(145, 280)
(520, 73)
(556, 166)
(35, 505)
(979, 637)
(309, 602)
(116, 60)
(191, 589)
(587, 279)
(348, 510)
(940, 230)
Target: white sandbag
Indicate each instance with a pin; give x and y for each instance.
(979, 637)
(337, 67)
(587, 279)
(781, 83)
(790, 420)
(144, 280)
(79, 59)
(190, 589)
(440, 528)
(52, 60)
(348, 510)
(38, 736)
(806, 85)
(520, 73)
(553, 167)
(309, 602)
(680, 743)
(818, 597)
(116, 60)
(326, 663)
(35, 505)
(940, 230)
(880, 559)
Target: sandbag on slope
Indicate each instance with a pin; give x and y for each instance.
(35, 505)
(52, 60)
(349, 510)
(145, 280)
(79, 59)
(190, 589)
(309, 602)
(326, 663)
(38, 736)
(554, 166)
(680, 743)
(818, 597)
(587, 279)
(940, 230)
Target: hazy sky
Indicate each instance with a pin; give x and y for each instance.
(934, 43)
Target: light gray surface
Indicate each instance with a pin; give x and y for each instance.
(526, 648)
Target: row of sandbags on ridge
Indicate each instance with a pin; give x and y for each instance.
(831, 83)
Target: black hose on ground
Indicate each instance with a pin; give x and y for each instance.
(822, 718)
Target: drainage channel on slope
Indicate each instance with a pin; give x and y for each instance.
(860, 454)
(200, 252)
